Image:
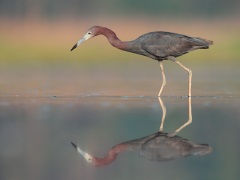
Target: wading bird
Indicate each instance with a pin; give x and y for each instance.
(156, 147)
(157, 45)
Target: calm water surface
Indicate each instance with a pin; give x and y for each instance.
(35, 136)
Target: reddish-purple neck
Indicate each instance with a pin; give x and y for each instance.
(112, 38)
(111, 156)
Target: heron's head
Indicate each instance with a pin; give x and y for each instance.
(93, 31)
(89, 158)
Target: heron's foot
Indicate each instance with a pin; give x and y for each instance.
(184, 97)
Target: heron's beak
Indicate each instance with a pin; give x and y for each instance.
(84, 154)
(84, 38)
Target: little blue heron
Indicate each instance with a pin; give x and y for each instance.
(156, 147)
(157, 45)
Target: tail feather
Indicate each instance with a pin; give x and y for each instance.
(201, 149)
(204, 42)
(200, 43)
(208, 41)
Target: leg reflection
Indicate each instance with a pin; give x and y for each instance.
(163, 115)
(189, 118)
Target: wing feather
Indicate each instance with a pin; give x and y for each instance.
(164, 44)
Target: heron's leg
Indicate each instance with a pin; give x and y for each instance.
(164, 78)
(163, 115)
(189, 72)
(189, 118)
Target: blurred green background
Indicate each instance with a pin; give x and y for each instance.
(61, 8)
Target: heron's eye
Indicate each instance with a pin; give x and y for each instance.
(89, 33)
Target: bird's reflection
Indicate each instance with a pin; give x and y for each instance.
(157, 147)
